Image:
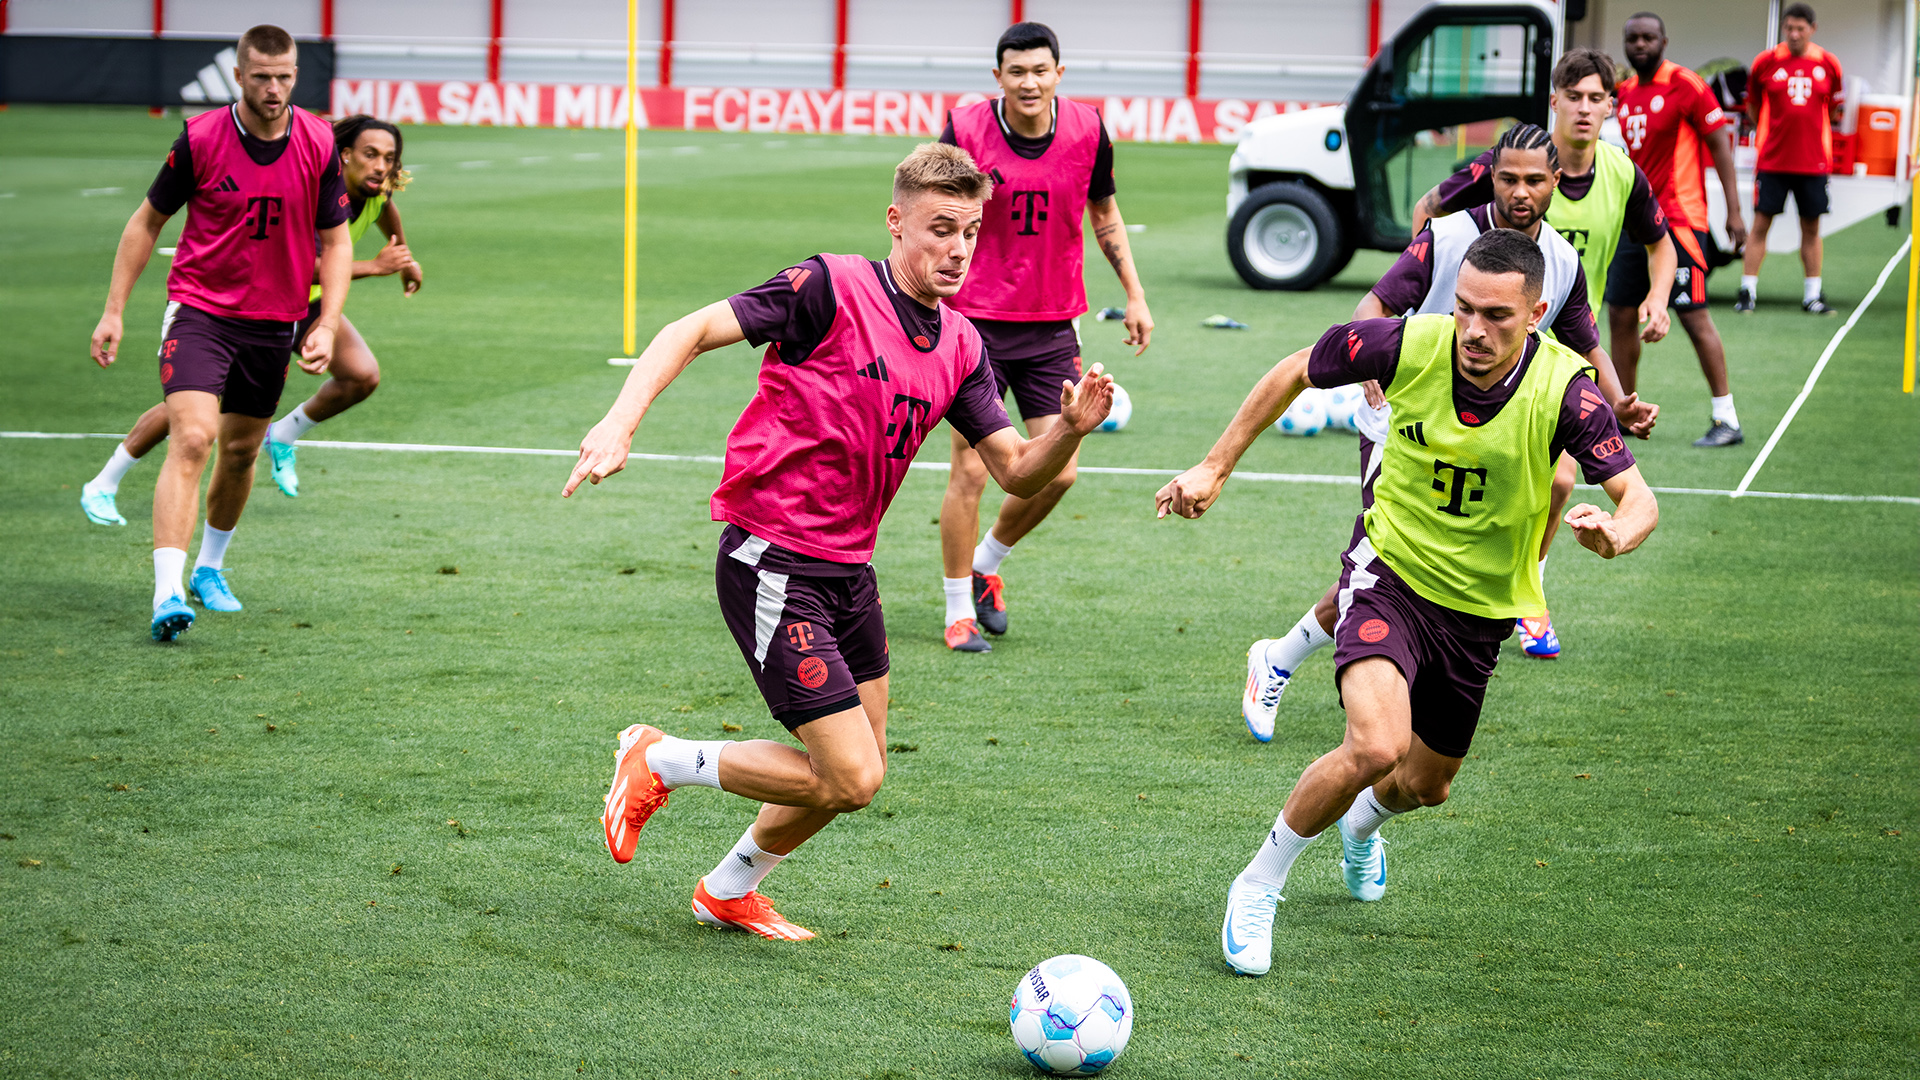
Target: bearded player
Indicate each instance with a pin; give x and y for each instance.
(1523, 169)
(863, 359)
(1673, 125)
(1441, 564)
(370, 162)
(1049, 157)
(262, 186)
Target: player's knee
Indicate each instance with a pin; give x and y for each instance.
(361, 387)
(191, 442)
(1375, 758)
(1428, 790)
(1059, 485)
(856, 790)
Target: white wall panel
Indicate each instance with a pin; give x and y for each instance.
(1256, 49)
(230, 18)
(923, 44)
(415, 20)
(98, 16)
(760, 22)
(580, 20)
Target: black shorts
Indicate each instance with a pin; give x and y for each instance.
(1628, 280)
(1446, 656)
(1809, 190)
(1032, 359)
(202, 352)
(810, 641)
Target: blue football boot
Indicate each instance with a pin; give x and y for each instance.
(209, 586)
(283, 470)
(99, 506)
(171, 619)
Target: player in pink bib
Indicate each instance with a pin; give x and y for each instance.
(862, 360)
(1050, 162)
(265, 197)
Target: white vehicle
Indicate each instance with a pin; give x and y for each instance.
(1308, 188)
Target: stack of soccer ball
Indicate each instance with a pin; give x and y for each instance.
(1316, 410)
(1071, 1015)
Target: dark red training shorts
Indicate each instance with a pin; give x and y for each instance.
(811, 630)
(242, 361)
(1446, 656)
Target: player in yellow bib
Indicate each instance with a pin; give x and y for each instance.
(370, 161)
(1442, 563)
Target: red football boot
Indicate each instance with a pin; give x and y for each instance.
(636, 792)
(753, 913)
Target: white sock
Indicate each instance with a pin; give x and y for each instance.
(988, 556)
(742, 870)
(683, 761)
(287, 430)
(213, 546)
(1723, 411)
(1543, 564)
(1751, 283)
(959, 592)
(1809, 288)
(117, 466)
(1291, 649)
(1276, 855)
(169, 567)
(1365, 817)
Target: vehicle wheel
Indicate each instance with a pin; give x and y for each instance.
(1286, 236)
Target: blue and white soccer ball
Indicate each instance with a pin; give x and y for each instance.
(1121, 412)
(1307, 415)
(1342, 403)
(1072, 1015)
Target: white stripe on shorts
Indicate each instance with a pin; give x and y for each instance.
(1360, 579)
(770, 604)
(166, 324)
(750, 551)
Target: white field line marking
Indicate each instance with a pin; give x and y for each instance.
(1814, 376)
(88, 193)
(1341, 480)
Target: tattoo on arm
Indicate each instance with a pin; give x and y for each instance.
(1114, 255)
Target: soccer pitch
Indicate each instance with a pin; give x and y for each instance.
(352, 829)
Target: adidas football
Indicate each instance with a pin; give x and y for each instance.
(1342, 403)
(1071, 1015)
(1306, 416)
(1121, 412)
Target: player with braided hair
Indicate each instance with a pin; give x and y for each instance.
(370, 162)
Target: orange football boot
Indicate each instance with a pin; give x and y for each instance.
(964, 636)
(753, 913)
(636, 792)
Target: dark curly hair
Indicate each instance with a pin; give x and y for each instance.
(347, 131)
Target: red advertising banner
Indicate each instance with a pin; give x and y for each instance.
(761, 111)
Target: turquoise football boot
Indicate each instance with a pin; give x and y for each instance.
(171, 619)
(99, 506)
(1363, 863)
(209, 586)
(283, 471)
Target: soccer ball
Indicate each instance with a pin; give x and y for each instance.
(1306, 416)
(1342, 402)
(1121, 412)
(1071, 1015)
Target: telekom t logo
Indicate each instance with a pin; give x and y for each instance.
(1799, 89)
(262, 211)
(1457, 490)
(902, 431)
(1035, 209)
(1636, 130)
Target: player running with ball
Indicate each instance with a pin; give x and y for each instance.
(863, 360)
(370, 159)
(1049, 157)
(263, 193)
(1442, 563)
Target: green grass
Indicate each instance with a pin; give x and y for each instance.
(1685, 849)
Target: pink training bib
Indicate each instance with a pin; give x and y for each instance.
(248, 246)
(823, 446)
(1027, 265)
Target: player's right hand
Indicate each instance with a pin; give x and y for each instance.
(1636, 417)
(1189, 494)
(106, 340)
(602, 453)
(1654, 322)
(1372, 392)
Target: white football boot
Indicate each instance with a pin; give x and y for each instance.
(1261, 699)
(1246, 937)
(1363, 863)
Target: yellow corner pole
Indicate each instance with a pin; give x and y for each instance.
(1913, 250)
(633, 147)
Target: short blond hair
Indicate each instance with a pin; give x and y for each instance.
(940, 167)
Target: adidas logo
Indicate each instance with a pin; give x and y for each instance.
(226, 184)
(1415, 432)
(876, 370)
(742, 856)
(215, 81)
(1589, 403)
(699, 760)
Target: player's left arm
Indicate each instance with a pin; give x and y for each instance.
(1111, 233)
(336, 271)
(1720, 145)
(1635, 514)
(1193, 491)
(1023, 467)
(396, 257)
